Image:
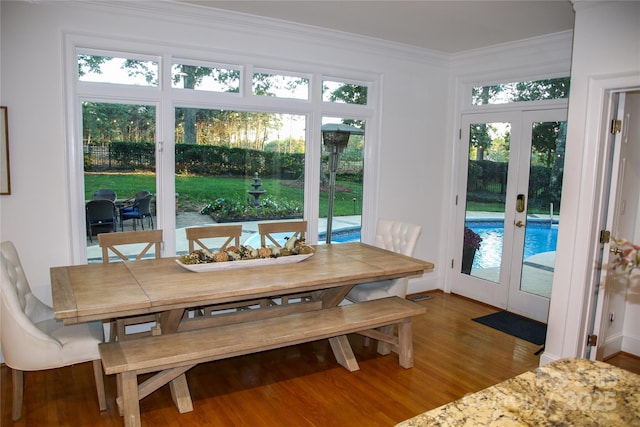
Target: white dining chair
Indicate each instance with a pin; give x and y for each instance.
(32, 340)
(396, 236)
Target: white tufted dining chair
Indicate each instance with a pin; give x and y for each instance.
(398, 237)
(32, 340)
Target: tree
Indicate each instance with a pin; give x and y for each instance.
(479, 138)
(103, 122)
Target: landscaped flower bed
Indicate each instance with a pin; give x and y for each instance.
(235, 210)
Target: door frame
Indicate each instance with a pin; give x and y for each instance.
(572, 303)
(602, 314)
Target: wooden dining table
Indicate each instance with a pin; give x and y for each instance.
(83, 293)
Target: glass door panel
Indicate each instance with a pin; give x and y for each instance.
(543, 142)
(543, 207)
(487, 171)
(119, 155)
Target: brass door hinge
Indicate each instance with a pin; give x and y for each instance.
(616, 126)
(605, 236)
(592, 340)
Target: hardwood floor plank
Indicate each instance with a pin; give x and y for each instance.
(302, 385)
(625, 361)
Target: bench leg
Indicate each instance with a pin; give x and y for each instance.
(343, 352)
(180, 394)
(405, 344)
(130, 403)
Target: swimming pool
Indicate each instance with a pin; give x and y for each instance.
(343, 235)
(540, 237)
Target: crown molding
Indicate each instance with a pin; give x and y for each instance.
(170, 11)
(538, 55)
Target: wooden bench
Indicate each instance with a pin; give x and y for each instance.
(174, 354)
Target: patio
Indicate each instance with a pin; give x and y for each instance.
(195, 219)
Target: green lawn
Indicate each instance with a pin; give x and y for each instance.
(194, 192)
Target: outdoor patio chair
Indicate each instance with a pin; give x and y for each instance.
(130, 246)
(32, 340)
(105, 193)
(276, 233)
(101, 214)
(127, 205)
(140, 210)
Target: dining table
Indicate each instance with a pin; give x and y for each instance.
(186, 300)
(83, 293)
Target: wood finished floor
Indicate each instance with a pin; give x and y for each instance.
(302, 385)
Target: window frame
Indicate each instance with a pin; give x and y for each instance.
(166, 99)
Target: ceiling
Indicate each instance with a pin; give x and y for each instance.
(447, 26)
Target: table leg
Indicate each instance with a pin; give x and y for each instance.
(343, 352)
(170, 320)
(384, 347)
(331, 297)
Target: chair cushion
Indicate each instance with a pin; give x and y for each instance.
(79, 342)
(376, 290)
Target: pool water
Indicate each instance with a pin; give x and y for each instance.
(343, 235)
(540, 237)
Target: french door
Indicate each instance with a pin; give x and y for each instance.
(509, 190)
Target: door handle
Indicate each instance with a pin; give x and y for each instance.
(615, 250)
(519, 224)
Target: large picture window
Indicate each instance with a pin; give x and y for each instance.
(237, 150)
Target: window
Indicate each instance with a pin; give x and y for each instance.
(228, 150)
(344, 93)
(505, 93)
(280, 86)
(185, 75)
(118, 70)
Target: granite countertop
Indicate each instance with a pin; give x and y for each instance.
(568, 392)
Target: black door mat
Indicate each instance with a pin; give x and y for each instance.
(518, 326)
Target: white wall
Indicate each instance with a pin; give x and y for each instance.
(36, 216)
(605, 46)
(417, 121)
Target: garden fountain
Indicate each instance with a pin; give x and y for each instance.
(255, 192)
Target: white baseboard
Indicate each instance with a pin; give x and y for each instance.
(612, 345)
(631, 345)
(428, 282)
(547, 358)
